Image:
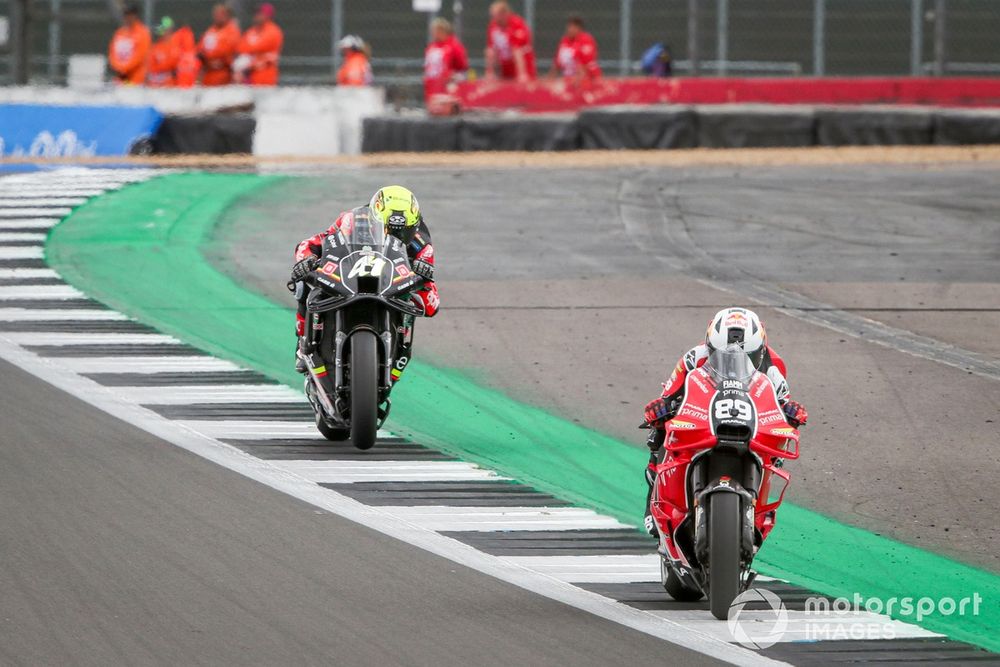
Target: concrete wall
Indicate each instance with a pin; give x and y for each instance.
(291, 120)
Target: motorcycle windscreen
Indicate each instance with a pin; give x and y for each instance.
(364, 232)
(363, 259)
(730, 363)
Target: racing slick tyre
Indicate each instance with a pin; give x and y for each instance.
(724, 531)
(364, 389)
(675, 587)
(331, 433)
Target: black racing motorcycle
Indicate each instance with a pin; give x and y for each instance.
(359, 317)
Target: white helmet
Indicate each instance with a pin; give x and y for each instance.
(352, 42)
(738, 325)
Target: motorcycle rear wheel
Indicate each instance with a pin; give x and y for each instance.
(724, 531)
(364, 389)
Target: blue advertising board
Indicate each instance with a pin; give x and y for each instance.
(36, 130)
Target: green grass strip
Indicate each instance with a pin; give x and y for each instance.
(140, 250)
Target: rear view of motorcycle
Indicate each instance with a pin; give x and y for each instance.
(359, 315)
(721, 480)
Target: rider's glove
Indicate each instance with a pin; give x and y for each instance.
(656, 411)
(795, 413)
(303, 268)
(423, 269)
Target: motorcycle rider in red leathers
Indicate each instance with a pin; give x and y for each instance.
(730, 325)
(396, 208)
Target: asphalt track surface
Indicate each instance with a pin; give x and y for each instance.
(119, 548)
(616, 272)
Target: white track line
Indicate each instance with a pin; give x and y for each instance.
(504, 518)
(47, 315)
(34, 252)
(806, 626)
(147, 365)
(27, 223)
(69, 339)
(205, 394)
(348, 472)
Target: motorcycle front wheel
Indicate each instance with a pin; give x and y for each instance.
(724, 531)
(364, 389)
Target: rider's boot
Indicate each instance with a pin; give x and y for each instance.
(404, 348)
(656, 451)
(300, 362)
(648, 521)
(300, 328)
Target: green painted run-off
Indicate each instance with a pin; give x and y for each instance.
(140, 251)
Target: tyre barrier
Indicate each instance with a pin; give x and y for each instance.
(865, 126)
(682, 126)
(210, 134)
(638, 127)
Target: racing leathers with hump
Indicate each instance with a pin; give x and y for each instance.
(730, 325)
(396, 208)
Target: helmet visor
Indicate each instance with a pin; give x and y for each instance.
(730, 363)
(395, 224)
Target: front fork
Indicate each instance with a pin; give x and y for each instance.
(747, 509)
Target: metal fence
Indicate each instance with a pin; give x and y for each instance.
(707, 37)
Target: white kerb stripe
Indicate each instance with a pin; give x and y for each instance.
(348, 472)
(11, 202)
(6, 237)
(28, 273)
(61, 211)
(260, 430)
(64, 339)
(49, 315)
(606, 569)
(34, 252)
(504, 518)
(13, 292)
(28, 223)
(214, 393)
(146, 365)
(64, 184)
(25, 190)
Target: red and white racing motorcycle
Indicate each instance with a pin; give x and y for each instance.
(721, 479)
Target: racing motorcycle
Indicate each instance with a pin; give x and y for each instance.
(358, 313)
(727, 442)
